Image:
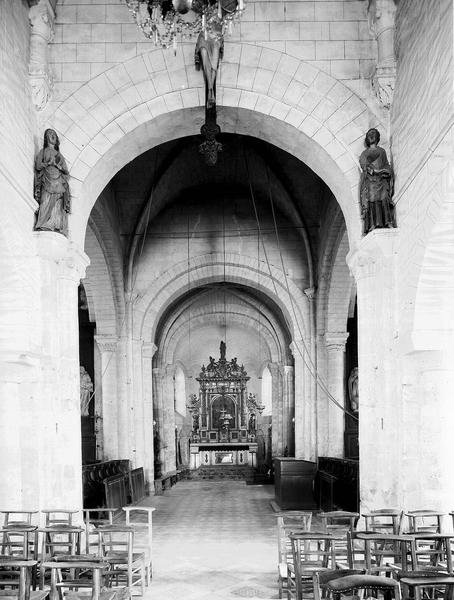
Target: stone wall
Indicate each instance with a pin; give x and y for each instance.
(332, 36)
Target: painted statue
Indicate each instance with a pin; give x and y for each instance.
(51, 189)
(376, 185)
(86, 391)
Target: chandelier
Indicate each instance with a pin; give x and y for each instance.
(165, 22)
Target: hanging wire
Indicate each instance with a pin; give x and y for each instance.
(308, 362)
(189, 288)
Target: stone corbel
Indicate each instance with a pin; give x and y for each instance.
(42, 20)
(381, 16)
(372, 252)
(148, 350)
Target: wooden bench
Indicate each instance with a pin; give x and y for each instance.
(166, 481)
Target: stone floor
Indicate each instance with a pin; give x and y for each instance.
(214, 540)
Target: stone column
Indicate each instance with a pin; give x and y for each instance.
(305, 427)
(288, 380)
(169, 418)
(58, 456)
(148, 351)
(372, 263)
(277, 446)
(158, 413)
(42, 19)
(107, 409)
(335, 349)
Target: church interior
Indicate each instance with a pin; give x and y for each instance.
(227, 252)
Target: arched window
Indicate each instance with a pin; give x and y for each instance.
(180, 391)
(266, 392)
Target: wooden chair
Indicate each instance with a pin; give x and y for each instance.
(385, 520)
(116, 544)
(93, 518)
(58, 539)
(311, 552)
(424, 521)
(19, 588)
(348, 583)
(89, 584)
(141, 519)
(339, 523)
(381, 553)
(288, 522)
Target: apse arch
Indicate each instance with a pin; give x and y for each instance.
(216, 268)
(117, 115)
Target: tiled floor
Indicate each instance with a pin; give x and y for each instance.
(214, 540)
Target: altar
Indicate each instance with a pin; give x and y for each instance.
(224, 416)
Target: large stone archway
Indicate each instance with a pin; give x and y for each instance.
(145, 101)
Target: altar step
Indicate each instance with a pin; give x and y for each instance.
(223, 472)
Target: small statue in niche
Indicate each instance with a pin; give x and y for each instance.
(86, 391)
(51, 188)
(376, 185)
(353, 390)
(252, 423)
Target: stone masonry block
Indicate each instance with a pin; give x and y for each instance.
(284, 31)
(269, 59)
(306, 74)
(262, 81)
(264, 104)
(179, 79)
(248, 99)
(279, 85)
(299, 11)
(329, 50)
(91, 14)
(250, 56)
(269, 11)
(161, 81)
(76, 72)
(344, 30)
(63, 53)
(254, 31)
(345, 69)
(116, 14)
(109, 32)
(113, 132)
(324, 109)
(190, 98)
(119, 76)
(294, 92)
(309, 101)
(288, 65)
(130, 96)
(86, 96)
(120, 52)
(323, 83)
(66, 14)
(102, 86)
(329, 11)
(77, 34)
(359, 49)
(141, 113)
(157, 107)
(339, 93)
(314, 30)
(146, 90)
(355, 10)
(228, 75)
(231, 97)
(295, 117)
(245, 76)
(130, 33)
(91, 53)
(304, 50)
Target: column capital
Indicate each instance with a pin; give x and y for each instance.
(310, 292)
(273, 368)
(381, 17)
(148, 350)
(106, 343)
(294, 345)
(55, 247)
(336, 340)
(372, 253)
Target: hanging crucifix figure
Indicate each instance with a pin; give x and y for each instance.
(209, 51)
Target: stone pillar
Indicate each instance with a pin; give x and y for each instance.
(335, 349)
(169, 418)
(42, 19)
(106, 398)
(305, 426)
(158, 414)
(57, 457)
(148, 351)
(372, 263)
(277, 446)
(288, 409)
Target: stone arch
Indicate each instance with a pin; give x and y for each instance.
(339, 290)
(212, 268)
(122, 112)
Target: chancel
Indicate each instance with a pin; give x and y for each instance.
(227, 260)
(225, 435)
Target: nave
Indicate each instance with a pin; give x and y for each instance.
(214, 539)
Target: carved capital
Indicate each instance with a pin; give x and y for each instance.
(372, 253)
(148, 350)
(106, 343)
(383, 81)
(335, 341)
(310, 292)
(42, 19)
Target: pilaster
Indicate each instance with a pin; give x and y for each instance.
(335, 351)
(106, 398)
